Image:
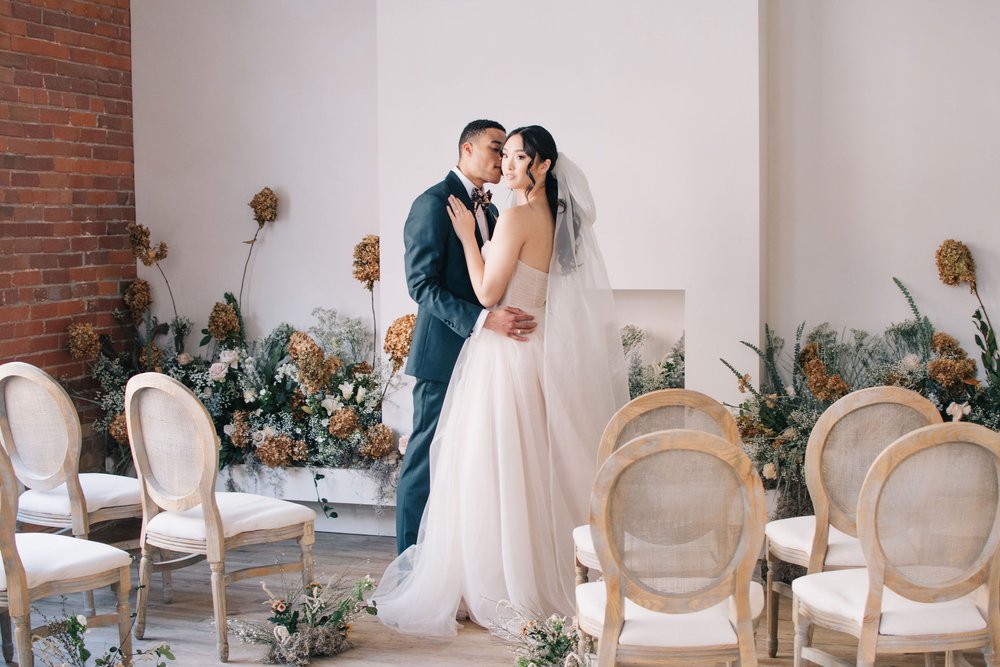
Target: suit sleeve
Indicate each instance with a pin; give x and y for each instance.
(426, 237)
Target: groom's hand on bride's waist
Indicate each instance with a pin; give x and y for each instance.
(511, 322)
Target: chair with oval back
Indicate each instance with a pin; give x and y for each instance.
(176, 453)
(928, 520)
(846, 439)
(40, 430)
(678, 519)
(40, 565)
(655, 411)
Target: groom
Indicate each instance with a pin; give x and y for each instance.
(448, 311)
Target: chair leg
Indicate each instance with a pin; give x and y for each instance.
(771, 596)
(928, 660)
(142, 594)
(802, 625)
(582, 573)
(219, 604)
(88, 596)
(306, 545)
(22, 640)
(8, 640)
(168, 578)
(124, 618)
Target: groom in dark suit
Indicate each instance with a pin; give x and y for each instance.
(448, 311)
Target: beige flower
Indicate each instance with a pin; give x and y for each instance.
(265, 206)
(118, 429)
(366, 261)
(398, 338)
(223, 322)
(83, 341)
(142, 249)
(955, 264)
(315, 369)
(378, 442)
(770, 471)
(138, 298)
(343, 423)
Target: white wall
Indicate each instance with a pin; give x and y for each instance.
(234, 95)
(884, 141)
(658, 103)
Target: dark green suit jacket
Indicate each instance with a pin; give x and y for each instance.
(438, 280)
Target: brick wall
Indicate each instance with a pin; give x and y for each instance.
(66, 177)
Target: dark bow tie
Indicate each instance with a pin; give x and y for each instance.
(481, 199)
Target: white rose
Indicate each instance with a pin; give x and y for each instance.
(281, 633)
(346, 389)
(770, 471)
(269, 431)
(229, 429)
(249, 396)
(217, 371)
(258, 438)
(184, 359)
(81, 619)
(229, 357)
(361, 394)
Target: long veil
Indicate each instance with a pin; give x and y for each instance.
(585, 378)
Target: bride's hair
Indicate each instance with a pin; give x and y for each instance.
(539, 145)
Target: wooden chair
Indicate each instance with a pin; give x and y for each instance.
(928, 518)
(655, 411)
(39, 565)
(678, 519)
(176, 453)
(40, 430)
(848, 436)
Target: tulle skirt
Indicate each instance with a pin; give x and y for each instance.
(492, 530)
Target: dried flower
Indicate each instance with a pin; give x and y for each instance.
(751, 427)
(223, 322)
(183, 359)
(770, 471)
(265, 206)
(823, 386)
(947, 346)
(217, 371)
(138, 298)
(343, 423)
(361, 368)
(366, 261)
(118, 429)
(240, 435)
(744, 383)
(83, 341)
(955, 264)
(279, 451)
(151, 357)
(398, 338)
(378, 442)
(951, 373)
(315, 370)
(138, 237)
(278, 606)
(957, 411)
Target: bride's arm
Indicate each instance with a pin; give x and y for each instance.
(489, 280)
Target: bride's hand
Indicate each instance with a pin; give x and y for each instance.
(462, 219)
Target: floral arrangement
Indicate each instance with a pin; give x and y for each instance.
(549, 642)
(65, 646)
(644, 378)
(314, 621)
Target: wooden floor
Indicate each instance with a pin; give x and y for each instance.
(186, 623)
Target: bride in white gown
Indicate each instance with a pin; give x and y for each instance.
(514, 456)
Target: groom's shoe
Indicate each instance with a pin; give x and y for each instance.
(463, 611)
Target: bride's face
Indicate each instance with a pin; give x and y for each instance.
(515, 165)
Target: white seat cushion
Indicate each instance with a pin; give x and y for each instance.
(99, 489)
(584, 542)
(842, 593)
(48, 557)
(644, 627)
(797, 534)
(240, 512)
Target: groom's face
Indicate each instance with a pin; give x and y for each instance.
(483, 156)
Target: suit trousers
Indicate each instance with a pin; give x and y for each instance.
(415, 476)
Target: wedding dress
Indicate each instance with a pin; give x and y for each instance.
(514, 456)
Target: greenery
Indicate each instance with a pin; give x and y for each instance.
(65, 646)
(312, 621)
(644, 378)
(538, 642)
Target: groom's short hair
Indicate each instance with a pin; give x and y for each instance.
(477, 127)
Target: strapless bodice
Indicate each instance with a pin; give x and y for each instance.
(527, 287)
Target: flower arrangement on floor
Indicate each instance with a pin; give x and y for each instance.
(291, 398)
(65, 646)
(314, 621)
(644, 378)
(536, 642)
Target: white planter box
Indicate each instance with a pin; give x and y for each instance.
(352, 494)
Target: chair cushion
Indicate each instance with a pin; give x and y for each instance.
(240, 512)
(48, 557)
(584, 542)
(797, 534)
(842, 593)
(99, 489)
(644, 627)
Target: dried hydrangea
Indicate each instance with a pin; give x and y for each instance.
(822, 385)
(280, 450)
(955, 264)
(223, 322)
(240, 435)
(343, 423)
(83, 341)
(138, 298)
(315, 369)
(118, 429)
(265, 206)
(947, 346)
(952, 373)
(751, 427)
(366, 261)
(138, 238)
(151, 358)
(398, 338)
(361, 368)
(378, 442)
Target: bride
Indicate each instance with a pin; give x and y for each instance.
(514, 455)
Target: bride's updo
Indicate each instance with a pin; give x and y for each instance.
(540, 146)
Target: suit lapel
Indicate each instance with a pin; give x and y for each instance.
(457, 188)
